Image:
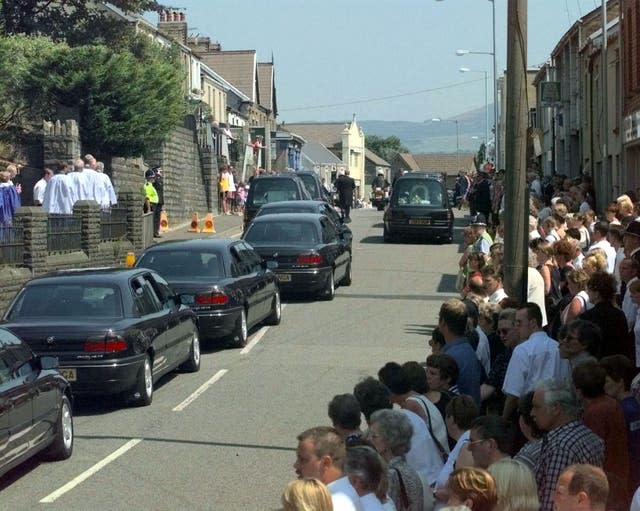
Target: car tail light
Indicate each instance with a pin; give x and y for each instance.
(211, 299)
(106, 344)
(309, 259)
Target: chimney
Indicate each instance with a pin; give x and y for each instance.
(173, 24)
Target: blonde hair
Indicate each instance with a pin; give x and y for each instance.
(517, 489)
(625, 205)
(306, 495)
(595, 261)
(475, 484)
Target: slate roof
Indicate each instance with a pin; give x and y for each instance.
(375, 159)
(444, 162)
(409, 161)
(265, 84)
(237, 67)
(329, 135)
(318, 154)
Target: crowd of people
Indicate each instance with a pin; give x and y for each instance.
(66, 183)
(9, 195)
(518, 406)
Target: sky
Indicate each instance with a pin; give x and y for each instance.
(391, 60)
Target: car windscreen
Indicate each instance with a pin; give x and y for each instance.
(264, 191)
(310, 184)
(418, 192)
(183, 264)
(64, 300)
(282, 232)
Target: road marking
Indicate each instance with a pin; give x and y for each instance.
(88, 473)
(200, 390)
(236, 235)
(258, 336)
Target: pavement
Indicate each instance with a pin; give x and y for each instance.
(225, 226)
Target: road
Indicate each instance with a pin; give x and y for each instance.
(225, 438)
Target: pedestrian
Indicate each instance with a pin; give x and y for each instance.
(307, 494)
(151, 197)
(106, 194)
(567, 440)
(320, 454)
(491, 440)
(344, 412)
(581, 487)
(223, 187)
(345, 186)
(9, 199)
(41, 185)
(516, 486)
(472, 487)
(367, 474)
(59, 195)
(158, 184)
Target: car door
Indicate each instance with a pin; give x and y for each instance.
(5, 403)
(248, 282)
(17, 394)
(180, 320)
(265, 282)
(336, 247)
(153, 324)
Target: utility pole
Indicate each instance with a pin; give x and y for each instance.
(604, 137)
(516, 195)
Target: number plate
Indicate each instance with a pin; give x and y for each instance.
(187, 299)
(69, 374)
(284, 277)
(420, 221)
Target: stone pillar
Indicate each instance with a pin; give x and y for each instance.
(34, 224)
(209, 165)
(61, 141)
(134, 202)
(89, 213)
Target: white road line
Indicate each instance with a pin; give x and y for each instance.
(88, 473)
(236, 235)
(200, 390)
(258, 335)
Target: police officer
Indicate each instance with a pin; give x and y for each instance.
(151, 196)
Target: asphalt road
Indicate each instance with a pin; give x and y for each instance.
(224, 438)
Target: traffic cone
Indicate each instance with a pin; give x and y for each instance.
(208, 224)
(193, 227)
(164, 222)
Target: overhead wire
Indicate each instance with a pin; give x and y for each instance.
(381, 98)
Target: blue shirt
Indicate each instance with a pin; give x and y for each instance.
(469, 370)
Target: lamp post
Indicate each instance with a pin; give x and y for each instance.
(460, 53)
(439, 119)
(486, 100)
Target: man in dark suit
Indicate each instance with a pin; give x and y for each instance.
(345, 186)
(631, 240)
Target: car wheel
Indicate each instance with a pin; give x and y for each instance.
(192, 364)
(276, 311)
(239, 335)
(330, 289)
(62, 445)
(346, 280)
(143, 392)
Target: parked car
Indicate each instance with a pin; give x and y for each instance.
(35, 405)
(224, 281)
(311, 256)
(419, 206)
(273, 188)
(313, 185)
(114, 330)
(310, 206)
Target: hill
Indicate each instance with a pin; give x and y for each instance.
(435, 137)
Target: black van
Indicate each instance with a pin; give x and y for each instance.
(273, 188)
(419, 206)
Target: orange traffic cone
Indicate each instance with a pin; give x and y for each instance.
(208, 224)
(193, 227)
(164, 222)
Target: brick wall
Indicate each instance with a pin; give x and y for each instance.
(631, 55)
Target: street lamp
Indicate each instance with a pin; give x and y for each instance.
(486, 100)
(439, 119)
(460, 53)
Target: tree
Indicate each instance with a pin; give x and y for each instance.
(386, 148)
(127, 103)
(73, 21)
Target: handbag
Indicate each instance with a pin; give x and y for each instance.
(444, 455)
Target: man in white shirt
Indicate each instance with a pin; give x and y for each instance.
(41, 186)
(105, 194)
(599, 241)
(535, 291)
(59, 195)
(321, 454)
(534, 360)
(492, 282)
